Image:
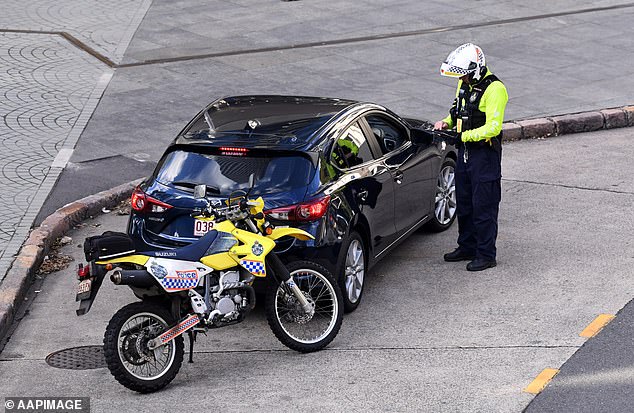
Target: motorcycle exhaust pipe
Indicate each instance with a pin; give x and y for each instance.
(134, 278)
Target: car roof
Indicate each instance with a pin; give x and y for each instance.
(268, 121)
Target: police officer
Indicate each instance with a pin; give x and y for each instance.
(477, 115)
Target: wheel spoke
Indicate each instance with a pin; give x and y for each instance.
(349, 287)
(350, 256)
(357, 255)
(451, 179)
(324, 289)
(438, 207)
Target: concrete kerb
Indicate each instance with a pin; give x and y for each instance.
(22, 272)
(567, 124)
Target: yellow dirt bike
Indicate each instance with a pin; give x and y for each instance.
(205, 285)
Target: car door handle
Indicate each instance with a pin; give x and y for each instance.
(362, 195)
(398, 177)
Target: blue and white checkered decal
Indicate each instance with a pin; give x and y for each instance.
(254, 267)
(184, 280)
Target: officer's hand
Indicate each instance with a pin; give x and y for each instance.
(441, 125)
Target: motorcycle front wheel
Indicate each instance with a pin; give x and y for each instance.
(128, 357)
(295, 328)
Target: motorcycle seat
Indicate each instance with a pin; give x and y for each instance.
(192, 252)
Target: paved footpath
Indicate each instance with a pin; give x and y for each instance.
(49, 89)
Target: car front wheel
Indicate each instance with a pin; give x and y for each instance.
(445, 199)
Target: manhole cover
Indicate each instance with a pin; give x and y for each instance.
(78, 358)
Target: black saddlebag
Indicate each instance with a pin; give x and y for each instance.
(108, 245)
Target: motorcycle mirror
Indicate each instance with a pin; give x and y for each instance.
(251, 184)
(200, 191)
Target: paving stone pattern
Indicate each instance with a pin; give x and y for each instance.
(105, 26)
(49, 89)
(44, 85)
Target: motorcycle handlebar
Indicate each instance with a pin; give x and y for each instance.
(234, 212)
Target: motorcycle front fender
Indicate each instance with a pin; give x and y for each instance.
(290, 232)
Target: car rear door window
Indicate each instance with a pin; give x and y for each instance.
(351, 149)
(387, 132)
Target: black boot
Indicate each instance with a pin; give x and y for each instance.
(458, 255)
(480, 264)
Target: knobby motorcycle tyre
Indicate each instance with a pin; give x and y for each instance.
(125, 347)
(291, 325)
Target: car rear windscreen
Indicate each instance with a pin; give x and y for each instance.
(225, 174)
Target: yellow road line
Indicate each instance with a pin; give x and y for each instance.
(541, 381)
(597, 325)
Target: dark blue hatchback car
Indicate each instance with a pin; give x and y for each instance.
(355, 175)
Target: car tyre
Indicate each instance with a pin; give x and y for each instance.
(445, 198)
(352, 271)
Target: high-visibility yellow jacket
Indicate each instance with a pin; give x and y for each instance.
(493, 104)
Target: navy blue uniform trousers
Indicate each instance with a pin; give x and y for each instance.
(478, 194)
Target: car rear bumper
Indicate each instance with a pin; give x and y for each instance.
(288, 249)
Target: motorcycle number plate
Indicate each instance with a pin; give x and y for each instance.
(83, 289)
(202, 227)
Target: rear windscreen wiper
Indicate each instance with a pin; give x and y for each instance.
(191, 185)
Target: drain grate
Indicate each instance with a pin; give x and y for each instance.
(78, 358)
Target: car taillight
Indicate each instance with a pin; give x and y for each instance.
(137, 201)
(142, 202)
(307, 211)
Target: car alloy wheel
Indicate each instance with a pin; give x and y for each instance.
(445, 198)
(354, 271)
(445, 202)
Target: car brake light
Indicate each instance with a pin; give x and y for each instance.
(307, 211)
(233, 151)
(141, 202)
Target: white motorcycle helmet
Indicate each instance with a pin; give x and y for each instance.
(467, 59)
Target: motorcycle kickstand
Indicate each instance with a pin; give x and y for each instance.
(192, 339)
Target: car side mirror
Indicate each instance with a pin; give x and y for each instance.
(200, 191)
(422, 137)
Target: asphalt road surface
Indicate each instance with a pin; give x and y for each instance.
(428, 336)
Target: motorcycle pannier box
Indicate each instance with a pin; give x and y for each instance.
(108, 245)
